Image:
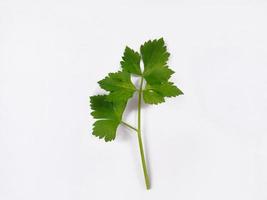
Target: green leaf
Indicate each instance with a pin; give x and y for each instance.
(131, 61)
(155, 94)
(109, 116)
(119, 85)
(152, 97)
(154, 54)
(105, 129)
(167, 89)
(157, 73)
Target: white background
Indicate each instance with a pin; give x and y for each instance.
(209, 144)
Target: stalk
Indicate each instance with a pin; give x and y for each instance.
(129, 126)
(140, 138)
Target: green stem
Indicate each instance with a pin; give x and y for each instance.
(139, 136)
(129, 126)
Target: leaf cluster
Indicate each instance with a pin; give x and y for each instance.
(108, 109)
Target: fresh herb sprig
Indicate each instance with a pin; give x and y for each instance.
(154, 87)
